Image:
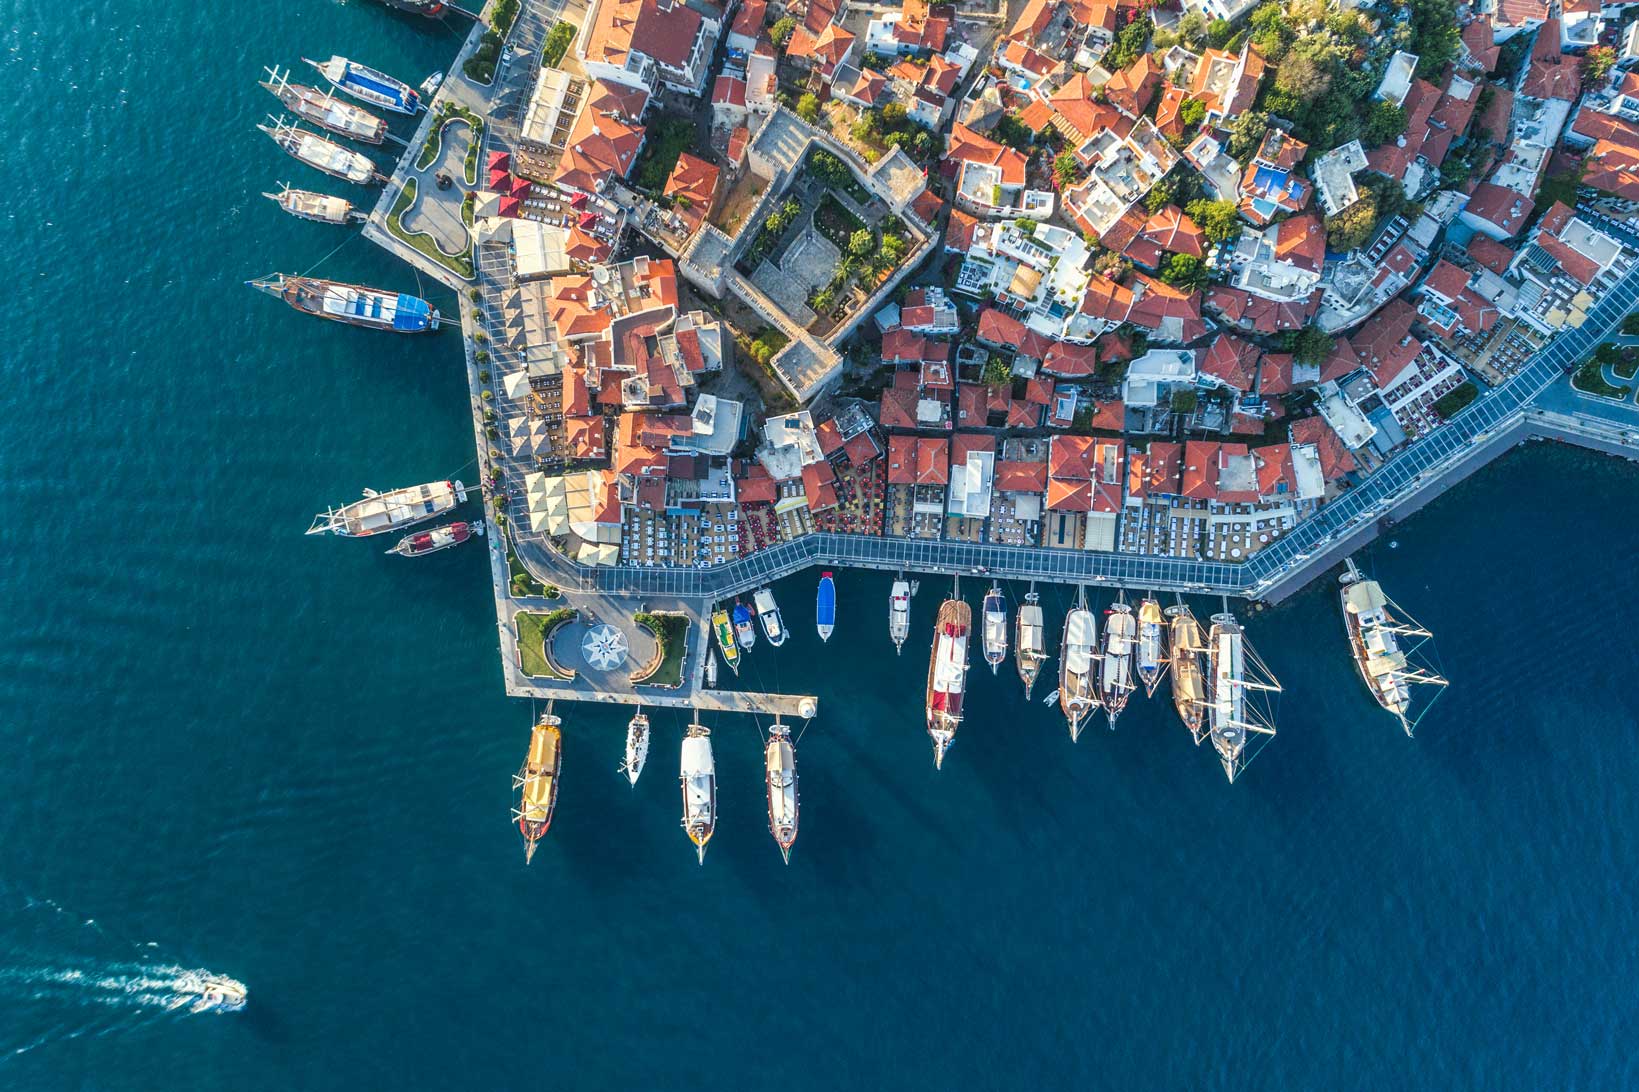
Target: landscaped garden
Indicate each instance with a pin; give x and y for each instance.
(457, 263)
(534, 631)
(1590, 379)
(671, 634)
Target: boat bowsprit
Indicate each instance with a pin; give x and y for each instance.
(825, 607)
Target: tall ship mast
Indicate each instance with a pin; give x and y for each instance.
(1235, 677)
(723, 629)
(780, 766)
(1115, 676)
(1186, 654)
(899, 613)
(637, 746)
(1152, 657)
(377, 513)
(1078, 684)
(537, 782)
(699, 780)
(994, 614)
(947, 674)
(368, 85)
(825, 607)
(319, 207)
(353, 304)
(768, 613)
(1031, 650)
(324, 109)
(324, 155)
(1378, 632)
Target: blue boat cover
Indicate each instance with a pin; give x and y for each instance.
(360, 79)
(825, 602)
(413, 313)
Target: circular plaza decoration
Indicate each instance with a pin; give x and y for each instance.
(604, 647)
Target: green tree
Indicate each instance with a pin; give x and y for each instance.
(1184, 400)
(891, 252)
(1192, 112)
(1597, 63)
(780, 32)
(1310, 345)
(1218, 32)
(1217, 220)
(1129, 44)
(1064, 168)
(1435, 37)
(1191, 29)
(893, 115)
(1350, 229)
(1184, 271)
(1246, 133)
(1384, 122)
(829, 169)
(1160, 195)
(861, 243)
(997, 373)
(808, 107)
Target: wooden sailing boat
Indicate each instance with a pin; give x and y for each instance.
(1115, 676)
(780, 768)
(947, 674)
(1186, 655)
(1384, 640)
(537, 781)
(698, 777)
(1078, 679)
(1152, 636)
(1235, 676)
(1031, 634)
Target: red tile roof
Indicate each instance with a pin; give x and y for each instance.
(1335, 458)
(1014, 476)
(1231, 359)
(1384, 343)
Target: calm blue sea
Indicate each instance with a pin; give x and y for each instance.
(232, 748)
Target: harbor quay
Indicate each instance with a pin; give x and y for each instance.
(1528, 403)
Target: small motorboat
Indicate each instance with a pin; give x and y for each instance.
(745, 629)
(209, 992)
(825, 607)
(637, 746)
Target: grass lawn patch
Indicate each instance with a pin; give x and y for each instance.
(836, 223)
(1449, 404)
(1627, 369)
(522, 582)
(533, 629)
(1590, 379)
(456, 263)
(668, 137)
(672, 632)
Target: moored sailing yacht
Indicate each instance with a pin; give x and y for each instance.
(1115, 681)
(947, 674)
(724, 631)
(1078, 683)
(1152, 660)
(368, 85)
(994, 615)
(319, 207)
(1032, 641)
(353, 304)
(698, 775)
(745, 629)
(439, 538)
(780, 767)
(637, 746)
(324, 155)
(1376, 625)
(1234, 670)
(538, 781)
(825, 607)
(1187, 655)
(324, 109)
(769, 615)
(379, 512)
(899, 614)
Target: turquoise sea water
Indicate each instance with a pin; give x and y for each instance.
(288, 760)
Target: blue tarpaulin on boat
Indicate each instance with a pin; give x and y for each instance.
(370, 83)
(412, 314)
